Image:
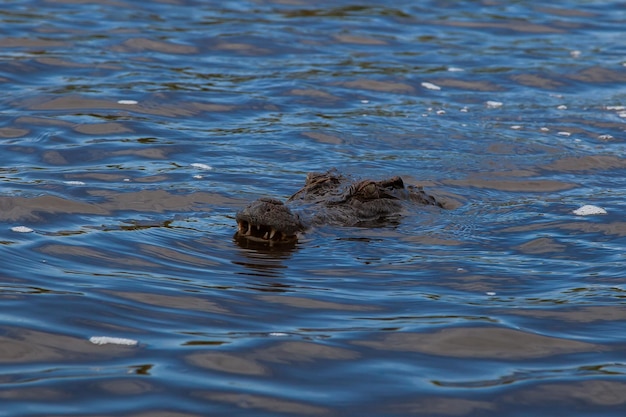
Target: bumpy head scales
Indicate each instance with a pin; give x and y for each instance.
(268, 219)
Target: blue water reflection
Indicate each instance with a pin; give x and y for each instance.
(133, 132)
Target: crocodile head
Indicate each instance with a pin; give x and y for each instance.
(328, 199)
(366, 202)
(268, 220)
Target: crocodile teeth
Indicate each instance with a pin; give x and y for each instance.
(265, 235)
(272, 233)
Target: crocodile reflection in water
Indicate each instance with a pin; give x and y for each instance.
(328, 198)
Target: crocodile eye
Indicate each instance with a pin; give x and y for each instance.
(369, 191)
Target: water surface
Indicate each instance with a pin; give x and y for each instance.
(132, 132)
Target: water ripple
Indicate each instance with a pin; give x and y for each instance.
(133, 132)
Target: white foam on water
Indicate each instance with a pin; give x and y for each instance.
(455, 69)
(127, 102)
(562, 107)
(104, 340)
(494, 104)
(431, 86)
(22, 229)
(588, 210)
(564, 133)
(201, 166)
(74, 182)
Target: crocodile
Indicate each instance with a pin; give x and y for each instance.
(329, 198)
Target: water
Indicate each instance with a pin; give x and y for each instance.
(132, 132)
